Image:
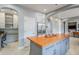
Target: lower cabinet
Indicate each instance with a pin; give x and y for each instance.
(11, 38)
(59, 48)
(63, 47)
(49, 50)
(67, 43)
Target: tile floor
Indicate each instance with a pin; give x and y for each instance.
(11, 49)
(74, 46)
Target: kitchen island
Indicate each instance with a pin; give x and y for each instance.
(52, 45)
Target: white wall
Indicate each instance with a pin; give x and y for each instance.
(61, 27)
(40, 17)
(57, 26)
(30, 26)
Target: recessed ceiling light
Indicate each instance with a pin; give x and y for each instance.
(45, 9)
(51, 17)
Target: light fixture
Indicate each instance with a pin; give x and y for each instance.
(51, 17)
(45, 10)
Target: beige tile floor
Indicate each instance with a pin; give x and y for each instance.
(74, 46)
(11, 49)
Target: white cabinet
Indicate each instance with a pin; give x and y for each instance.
(58, 48)
(15, 21)
(49, 50)
(2, 20)
(64, 46)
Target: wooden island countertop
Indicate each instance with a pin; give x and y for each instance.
(75, 33)
(44, 41)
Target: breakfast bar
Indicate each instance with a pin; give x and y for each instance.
(57, 44)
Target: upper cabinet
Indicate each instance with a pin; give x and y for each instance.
(2, 20)
(15, 21)
(8, 19)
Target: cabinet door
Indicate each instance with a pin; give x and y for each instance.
(67, 43)
(58, 48)
(2, 20)
(62, 45)
(15, 21)
(49, 50)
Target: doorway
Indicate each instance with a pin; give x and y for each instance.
(72, 26)
(9, 25)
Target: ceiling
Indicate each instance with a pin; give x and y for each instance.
(44, 8)
(71, 13)
(50, 8)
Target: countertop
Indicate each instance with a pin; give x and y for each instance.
(44, 41)
(77, 33)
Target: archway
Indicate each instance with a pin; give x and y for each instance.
(9, 24)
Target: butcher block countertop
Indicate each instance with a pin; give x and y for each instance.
(46, 40)
(76, 33)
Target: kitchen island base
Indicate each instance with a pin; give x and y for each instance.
(58, 48)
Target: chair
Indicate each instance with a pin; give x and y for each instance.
(3, 38)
